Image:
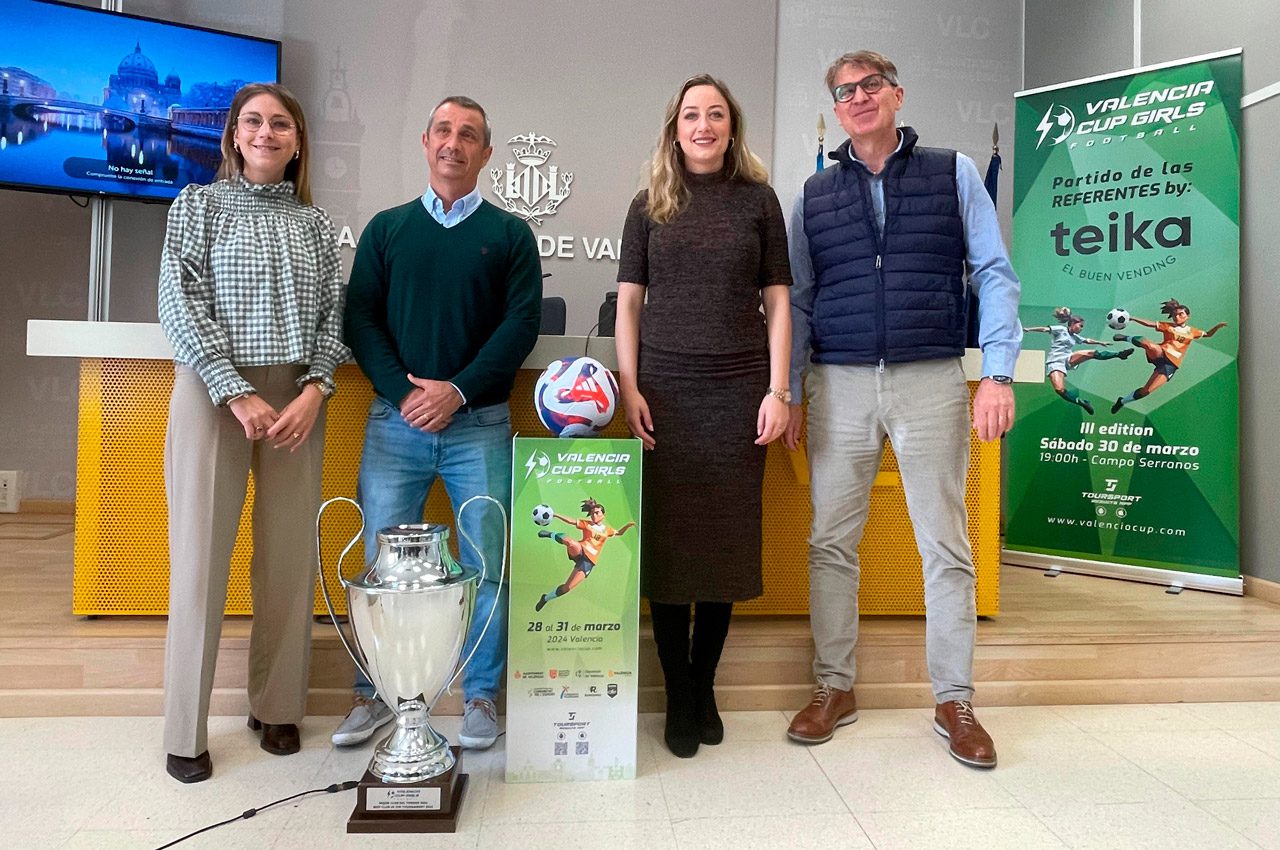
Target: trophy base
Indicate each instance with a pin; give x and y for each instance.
(433, 805)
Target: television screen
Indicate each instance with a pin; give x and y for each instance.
(95, 102)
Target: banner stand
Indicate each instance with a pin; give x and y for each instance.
(1125, 462)
(1128, 572)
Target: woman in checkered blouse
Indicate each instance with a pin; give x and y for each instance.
(251, 299)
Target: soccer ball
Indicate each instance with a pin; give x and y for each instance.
(542, 514)
(576, 397)
(1117, 318)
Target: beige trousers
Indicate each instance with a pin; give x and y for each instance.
(922, 408)
(206, 464)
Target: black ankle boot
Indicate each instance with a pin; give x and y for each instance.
(189, 769)
(710, 726)
(682, 733)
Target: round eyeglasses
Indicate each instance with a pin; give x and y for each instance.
(253, 123)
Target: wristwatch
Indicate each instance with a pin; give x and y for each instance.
(1001, 379)
(783, 395)
(323, 386)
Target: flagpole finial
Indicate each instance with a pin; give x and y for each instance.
(995, 138)
(822, 128)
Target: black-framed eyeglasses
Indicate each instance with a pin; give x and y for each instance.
(871, 84)
(253, 123)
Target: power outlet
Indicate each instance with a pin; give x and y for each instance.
(9, 495)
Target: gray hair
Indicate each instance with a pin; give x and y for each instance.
(877, 62)
(466, 103)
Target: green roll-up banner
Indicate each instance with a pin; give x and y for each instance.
(575, 607)
(1126, 235)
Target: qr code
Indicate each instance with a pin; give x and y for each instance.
(581, 748)
(562, 748)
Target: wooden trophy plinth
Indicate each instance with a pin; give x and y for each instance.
(433, 805)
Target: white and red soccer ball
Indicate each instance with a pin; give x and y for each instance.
(576, 397)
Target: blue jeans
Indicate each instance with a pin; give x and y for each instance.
(473, 457)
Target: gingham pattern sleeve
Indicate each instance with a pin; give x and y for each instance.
(328, 350)
(187, 297)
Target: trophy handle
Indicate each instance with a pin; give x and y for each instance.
(484, 569)
(324, 587)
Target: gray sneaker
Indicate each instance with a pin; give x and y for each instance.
(366, 717)
(479, 724)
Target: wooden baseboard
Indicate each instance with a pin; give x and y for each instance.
(47, 506)
(1260, 588)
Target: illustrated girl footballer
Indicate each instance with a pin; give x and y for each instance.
(1061, 357)
(583, 553)
(1165, 356)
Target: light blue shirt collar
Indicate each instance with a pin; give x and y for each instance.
(895, 150)
(461, 208)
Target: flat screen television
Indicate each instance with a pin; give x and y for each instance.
(103, 103)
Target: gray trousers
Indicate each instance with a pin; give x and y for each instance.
(922, 408)
(206, 465)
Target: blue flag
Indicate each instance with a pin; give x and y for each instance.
(822, 133)
(992, 183)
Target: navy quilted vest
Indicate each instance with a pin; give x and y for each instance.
(897, 296)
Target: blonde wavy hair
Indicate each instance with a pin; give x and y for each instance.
(668, 192)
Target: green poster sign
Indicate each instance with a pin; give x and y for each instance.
(1126, 235)
(572, 673)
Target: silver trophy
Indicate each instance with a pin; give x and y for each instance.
(410, 612)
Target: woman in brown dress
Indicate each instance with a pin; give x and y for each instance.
(704, 384)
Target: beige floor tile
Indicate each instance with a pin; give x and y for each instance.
(1205, 765)
(906, 774)
(49, 837)
(234, 836)
(1094, 776)
(339, 839)
(740, 779)
(1129, 718)
(991, 829)
(1257, 820)
(547, 802)
(1002, 721)
(623, 835)
(739, 727)
(743, 726)
(1267, 740)
(57, 800)
(1049, 772)
(1236, 715)
(1144, 826)
(798, 832)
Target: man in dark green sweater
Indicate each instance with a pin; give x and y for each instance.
(444, 305)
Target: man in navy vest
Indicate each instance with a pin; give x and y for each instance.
(880, 246)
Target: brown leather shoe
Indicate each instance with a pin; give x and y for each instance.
(970, 743)
(281, 739)
(830, 707)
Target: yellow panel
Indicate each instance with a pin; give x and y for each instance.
(121, 553)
